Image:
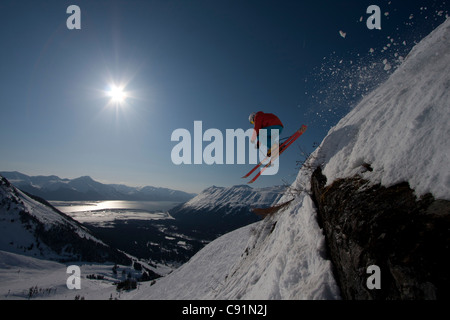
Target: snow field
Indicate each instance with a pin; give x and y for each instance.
(286, 259)
(19, 273)
(400, 129)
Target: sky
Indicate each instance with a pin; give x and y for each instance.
(309, 62)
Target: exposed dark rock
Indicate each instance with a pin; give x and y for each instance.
(406, 237)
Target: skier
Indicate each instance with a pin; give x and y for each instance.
(267, 121)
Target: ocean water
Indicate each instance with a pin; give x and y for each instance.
(104, 212)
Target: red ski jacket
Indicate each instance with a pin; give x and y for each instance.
(264, 120)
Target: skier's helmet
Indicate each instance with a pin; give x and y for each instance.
(251, 118)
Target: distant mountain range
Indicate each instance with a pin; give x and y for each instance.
(85, 188)
(217, 210)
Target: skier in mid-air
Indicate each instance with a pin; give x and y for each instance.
(267, 121)
(273, 126)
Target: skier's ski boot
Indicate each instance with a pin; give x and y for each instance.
(275, 150)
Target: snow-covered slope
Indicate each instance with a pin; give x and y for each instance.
(235, 197)
(23, 277)
(402, 128)
(37, 242)
(281, 257)
(399, 133)
(34, 228)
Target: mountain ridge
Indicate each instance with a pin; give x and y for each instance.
(218, 210)
(85, 188)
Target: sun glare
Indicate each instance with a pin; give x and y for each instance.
(117, 94)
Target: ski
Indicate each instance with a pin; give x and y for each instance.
(267, 157)
(282, 148)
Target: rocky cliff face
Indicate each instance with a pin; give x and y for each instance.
(405, 236)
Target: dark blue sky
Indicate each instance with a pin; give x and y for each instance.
(181, 61)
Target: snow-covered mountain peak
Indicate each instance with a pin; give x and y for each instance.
(84, 179)
(214, 188)
(235, 196)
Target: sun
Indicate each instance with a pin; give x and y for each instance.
(117, 94)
